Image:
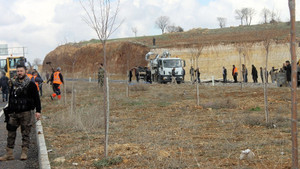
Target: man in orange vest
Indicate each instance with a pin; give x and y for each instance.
(234, 73)
(56, 79)
(37, 80)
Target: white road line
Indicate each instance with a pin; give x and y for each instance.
(2, 112)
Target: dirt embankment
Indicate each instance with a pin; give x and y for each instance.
(87, 56)
(86, 59)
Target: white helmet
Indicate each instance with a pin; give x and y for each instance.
(58, 68)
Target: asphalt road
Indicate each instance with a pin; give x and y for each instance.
(31, 162)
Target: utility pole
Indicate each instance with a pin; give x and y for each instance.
(292, 6)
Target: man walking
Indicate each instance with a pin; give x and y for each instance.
(224, 75)
(4, 87)
(23, 98)
(56, 79)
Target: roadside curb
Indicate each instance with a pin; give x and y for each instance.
(42, 149)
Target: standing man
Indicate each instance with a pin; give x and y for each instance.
(183, 74)
(266, 75)
(101, 75)
(197, 71)
(288, 70)
(56, 80)
(130, 75)
(137, 74)
(245, 73)
(23, 98)
(173, 76)
(261, 74)
(254, 74)
(153, 41)
(224, 75)
(234, 73)
(38, 79)
(4, 87)
(192, 73)
(273, 74)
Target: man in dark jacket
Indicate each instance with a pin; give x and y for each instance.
(4, 87)
(197, 72)
(224, 75)
(130, 75)
(137, 74)
(261, 74)
(23, 98)
(288, 70)
(254, 74)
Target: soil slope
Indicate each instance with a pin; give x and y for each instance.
(87, 56)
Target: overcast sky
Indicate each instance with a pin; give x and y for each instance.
(42, 25)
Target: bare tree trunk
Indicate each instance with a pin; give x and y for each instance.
(198, 97)
(265, 85)
(65, 93)
(127, 86)
(292, 6)
(106, 98)
(241, 74)
(72, 97)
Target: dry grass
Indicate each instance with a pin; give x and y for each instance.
(160, 126)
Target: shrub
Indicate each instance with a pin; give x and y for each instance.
(255, 109)
(139, 87)
(106, 162)
(220, 104)
(253, 121)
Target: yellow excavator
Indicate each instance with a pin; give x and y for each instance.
(8, 64)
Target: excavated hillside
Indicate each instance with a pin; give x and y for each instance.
(86, 58)
(126, 53)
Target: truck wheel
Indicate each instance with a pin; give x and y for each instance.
(178, 82)
(159, 80)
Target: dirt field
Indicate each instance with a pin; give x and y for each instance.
(160, 126)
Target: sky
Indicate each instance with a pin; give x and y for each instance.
(42, 25)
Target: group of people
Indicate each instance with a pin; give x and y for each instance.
(264, 74)
(137, 70)
(195, 74)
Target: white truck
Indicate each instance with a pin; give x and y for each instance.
(161, 67)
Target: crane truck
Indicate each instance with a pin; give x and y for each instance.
(161, 67)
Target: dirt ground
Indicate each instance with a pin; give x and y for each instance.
(161, 126)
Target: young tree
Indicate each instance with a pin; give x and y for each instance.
(245, 14)
(294, 120)
(196, 52)
(162, 22)
(101, 17)
(239, 15)
(134, 30)
(222, 21)
(274, 17)
(266, 14)
(248, 14)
